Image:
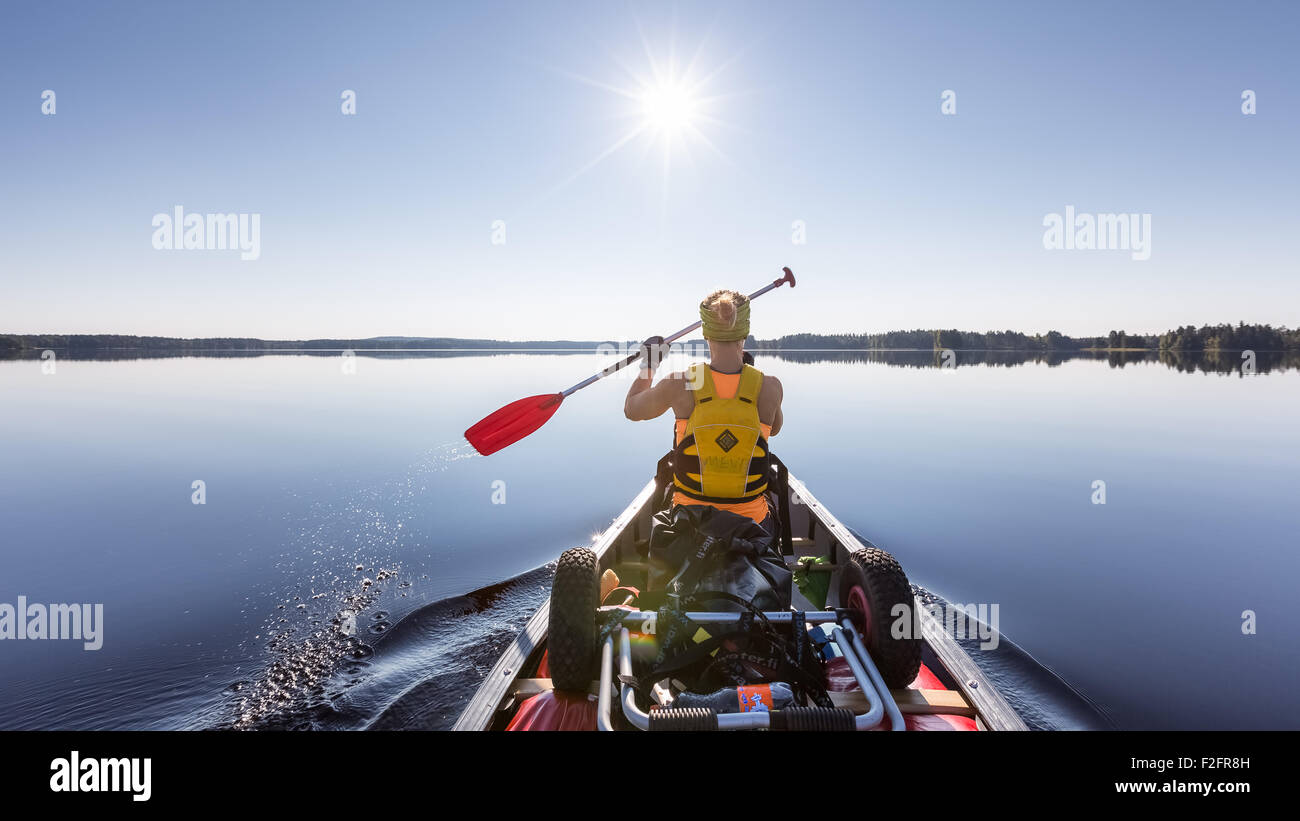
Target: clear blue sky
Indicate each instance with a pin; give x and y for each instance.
(380, 223)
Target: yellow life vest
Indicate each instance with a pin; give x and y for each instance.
(722, 456)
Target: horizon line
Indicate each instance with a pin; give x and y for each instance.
(631, 339)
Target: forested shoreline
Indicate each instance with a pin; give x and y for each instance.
(1184, 339)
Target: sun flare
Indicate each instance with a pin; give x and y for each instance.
(669, 108)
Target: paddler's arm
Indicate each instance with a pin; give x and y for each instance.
(771, 394)
(646, 400)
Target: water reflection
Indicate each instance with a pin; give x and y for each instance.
(1223, 362)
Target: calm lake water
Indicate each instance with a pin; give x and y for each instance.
(349, 555)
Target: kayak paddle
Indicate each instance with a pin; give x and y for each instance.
(508, 425)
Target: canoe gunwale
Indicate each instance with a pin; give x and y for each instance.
(979, 692)
(478, 714)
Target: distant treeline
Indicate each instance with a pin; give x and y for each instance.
(1183, 339)
(1220, 361)
(930, 340)
(15, 343)
(1189, 338)
(1229, 338)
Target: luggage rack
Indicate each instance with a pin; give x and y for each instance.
(844, 635)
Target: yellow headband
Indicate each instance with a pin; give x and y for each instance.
(713, 329)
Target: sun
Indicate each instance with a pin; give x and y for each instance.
(669, 108)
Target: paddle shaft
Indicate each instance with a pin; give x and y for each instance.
(620, 365)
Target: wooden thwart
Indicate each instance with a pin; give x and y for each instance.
(911, 702)
(528, 687)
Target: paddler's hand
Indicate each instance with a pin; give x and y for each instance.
(653, 352)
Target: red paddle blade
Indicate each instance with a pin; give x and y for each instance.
(513, 422)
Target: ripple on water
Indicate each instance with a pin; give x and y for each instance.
(306, 659)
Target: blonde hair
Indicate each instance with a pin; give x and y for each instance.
(725, 306)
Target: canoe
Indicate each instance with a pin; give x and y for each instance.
(949, 691)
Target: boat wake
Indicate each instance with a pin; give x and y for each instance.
(313, 661)
(356, 671)
(439, 655)
(1042, 699)
(330, 654)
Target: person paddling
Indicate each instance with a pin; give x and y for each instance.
(724, 411)
(713, 528)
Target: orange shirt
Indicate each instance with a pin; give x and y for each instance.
(726, 385)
